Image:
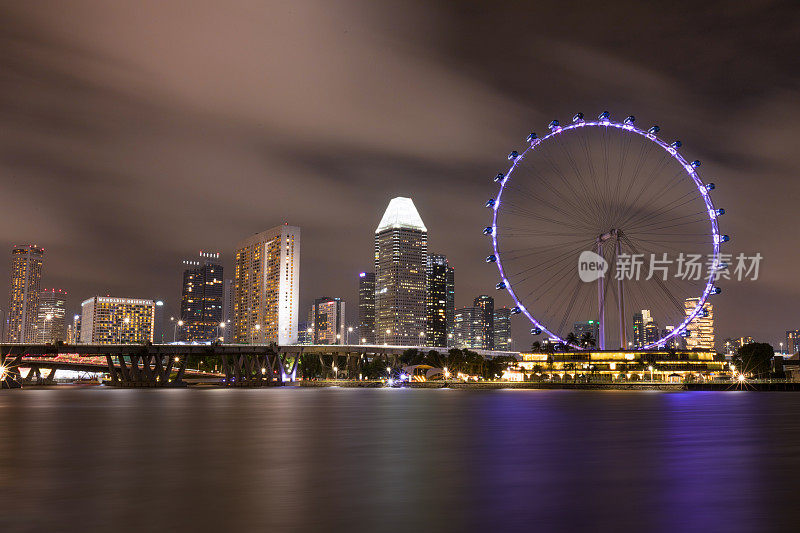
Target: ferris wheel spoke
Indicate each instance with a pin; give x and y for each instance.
(590, 200)
(583, 209)
(546, 182)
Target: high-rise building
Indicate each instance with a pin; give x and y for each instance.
(486, 305)
(502, 328)
(468, 328)
(50, 324)
(201, 302)
(793, 341)
(267, 287)
(328, 321)
(401, 250)
(229, 297)
(701, 329)
(440, 300)
(732, 345)
(651, 332)
(108, 320)
(592, 327)
(26, 278)
(640, 320)
(366, 307)
(159, 324)
(675, 342)
(76, 330)
(305, 333)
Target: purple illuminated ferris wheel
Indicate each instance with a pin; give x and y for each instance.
(598, 220)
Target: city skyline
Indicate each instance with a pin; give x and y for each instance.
(438, 143)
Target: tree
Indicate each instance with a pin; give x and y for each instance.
(572, 338)
(587, 340)
(536, 347)
(755, 358)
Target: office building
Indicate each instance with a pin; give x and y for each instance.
(502, 328)
(793, 341)
(366, 307)
(401, 251)
(590, 327)
(486, 305)
(160, 335)
(26, 278)
(732, 345)
(51, 324)
(228, 298)
(74, 333)
(440, 300)
(267, 287)
(651, 332)
(305, 333)
(701, 329)
(109, 320)
(202, 298)
(328, 321)
(468, 328)
(640, 320)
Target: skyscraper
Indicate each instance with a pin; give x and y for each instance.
(50, 323)
(640, 320)
(468, 328)
(201, 303)
(440, 300)
(108, 320)
(486, 305)
(793, 341)
(592, 327)
(502, 328)
(26, 278)
(701, 329)
(228, 298)
(401, 249)
(267, 287)
(366, 308)
(328, 323)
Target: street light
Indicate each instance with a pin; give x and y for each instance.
(175, 328)
(349, 331)
(220, 326)
(336, 372)
(126, 320)
(650, 368)
(388, 332)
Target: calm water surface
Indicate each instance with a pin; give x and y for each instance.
(398, 460)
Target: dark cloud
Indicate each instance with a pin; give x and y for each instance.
(133, 134)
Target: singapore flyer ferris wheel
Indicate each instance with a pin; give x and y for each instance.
(612, 195)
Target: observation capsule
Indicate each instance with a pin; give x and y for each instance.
(488, 230)
(630, 119)
(531, 137)
(516, 310)
(536, 331)
(695, 163)
(710, 187)
(500, 286)
(653, 130)
(603, 116)
(513, 155)
(716, 290)
(577, 118)
(499, 177)
(720, 212)
(490, 203)
(553, 125)
(491, 258)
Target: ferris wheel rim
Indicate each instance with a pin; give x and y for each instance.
(626, 126)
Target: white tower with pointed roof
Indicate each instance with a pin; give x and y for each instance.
(401, 248)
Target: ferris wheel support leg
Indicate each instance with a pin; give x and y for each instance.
(601, 305)
(622, 335)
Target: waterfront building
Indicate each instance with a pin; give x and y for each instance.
(486, 305)
(26, 279)
(267, 287)
(109, 320)
(228, 298)
(701, 329)
(401, 249)
(502, 328)
(793, 341)
(51, 319)
(468, 328)
(366, 307)
(640, 320)
(625, 365)
(673, 343)
(328, 321)
(592, 327)
(202, 298)
(439, 300)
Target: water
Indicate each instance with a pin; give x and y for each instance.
(398, 460)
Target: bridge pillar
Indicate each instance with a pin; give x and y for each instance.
(250, 370)
(145, 369)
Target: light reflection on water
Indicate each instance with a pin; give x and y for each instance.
(398, 460)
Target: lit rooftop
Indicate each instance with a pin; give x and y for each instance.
(401, 213)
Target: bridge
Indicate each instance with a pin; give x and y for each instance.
(165, 365)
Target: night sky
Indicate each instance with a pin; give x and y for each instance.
(134, 134)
